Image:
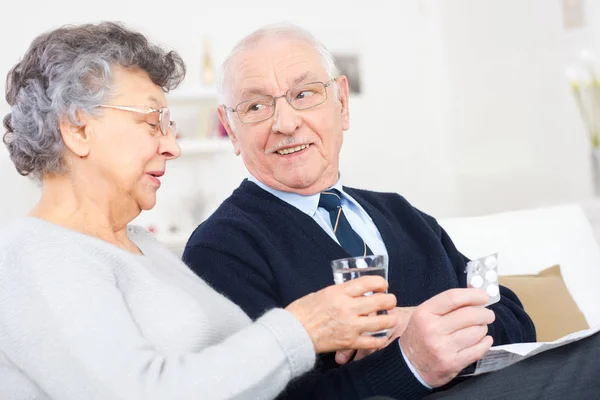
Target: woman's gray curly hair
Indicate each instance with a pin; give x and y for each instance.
(69, 70)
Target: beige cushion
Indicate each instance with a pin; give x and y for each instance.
(548, 302)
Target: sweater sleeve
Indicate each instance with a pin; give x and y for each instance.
(512, 324)
(247, 282)
(64, 323)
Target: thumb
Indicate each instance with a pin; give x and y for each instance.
(343, 356)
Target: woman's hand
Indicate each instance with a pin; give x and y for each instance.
(402, 314)
(336, 317)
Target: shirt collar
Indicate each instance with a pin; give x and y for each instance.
(306, 204)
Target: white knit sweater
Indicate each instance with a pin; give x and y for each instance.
(81, 319)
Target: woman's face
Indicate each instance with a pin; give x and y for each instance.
(127, 150)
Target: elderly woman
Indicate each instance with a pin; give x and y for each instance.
(93, 309)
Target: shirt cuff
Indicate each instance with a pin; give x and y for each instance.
(413, 370)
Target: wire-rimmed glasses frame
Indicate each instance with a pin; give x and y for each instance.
(165, 124)
(244, 108)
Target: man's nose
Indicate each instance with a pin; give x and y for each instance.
(286, 118)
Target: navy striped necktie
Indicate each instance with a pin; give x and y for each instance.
(331, 201)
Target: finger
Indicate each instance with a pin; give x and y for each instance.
(471, 354)
(375, 323)
(403, 316)
(343, 356)
(403, 311)
(368, 342)
(453, 299)
(376, 302)
(468, 337)
(362, 354)
(465, 317)
(360, 286)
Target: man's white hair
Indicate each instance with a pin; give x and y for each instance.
(285, 31)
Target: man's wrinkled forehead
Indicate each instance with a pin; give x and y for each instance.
(265, 67)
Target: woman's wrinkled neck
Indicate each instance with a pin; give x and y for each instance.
(78, 205)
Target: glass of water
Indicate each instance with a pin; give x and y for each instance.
(345, 269)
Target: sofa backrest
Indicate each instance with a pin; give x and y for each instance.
(529, 241)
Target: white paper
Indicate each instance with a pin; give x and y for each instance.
(502, 356)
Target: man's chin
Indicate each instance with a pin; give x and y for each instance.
(305, 186)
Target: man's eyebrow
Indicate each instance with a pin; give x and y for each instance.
(304, 77)
(253, 92)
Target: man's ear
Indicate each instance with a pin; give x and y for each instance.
(343, 96)
(223, 117)
(76, 137)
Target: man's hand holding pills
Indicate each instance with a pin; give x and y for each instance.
(447, 333)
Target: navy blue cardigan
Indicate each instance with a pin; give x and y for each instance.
(262, 253)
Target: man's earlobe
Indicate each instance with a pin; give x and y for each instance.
(224, 118)
(234, 142)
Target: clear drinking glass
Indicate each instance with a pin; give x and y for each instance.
(345, 269)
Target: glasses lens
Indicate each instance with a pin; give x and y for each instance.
(154, 119)
(165, 120)
(256, 109)
(309, 95)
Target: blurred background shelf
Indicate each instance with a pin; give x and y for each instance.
(173, 239)
(174, 242)
(191, 147)
(202, 93)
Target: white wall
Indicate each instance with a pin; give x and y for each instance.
(517, 137)
(465, 108)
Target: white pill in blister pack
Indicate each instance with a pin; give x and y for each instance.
(490, 262)
(491, 276)
(476, 281)
(482, 273)
(492, 289)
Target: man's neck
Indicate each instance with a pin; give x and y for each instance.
(317, 187)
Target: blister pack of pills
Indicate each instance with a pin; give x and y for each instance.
(482, 273)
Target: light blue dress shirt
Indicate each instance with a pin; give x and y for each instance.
(360, 221)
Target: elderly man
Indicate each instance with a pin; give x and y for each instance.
(272, 241)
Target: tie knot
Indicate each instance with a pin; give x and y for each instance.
(330, 200)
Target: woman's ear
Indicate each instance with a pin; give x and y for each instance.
(75, 136)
